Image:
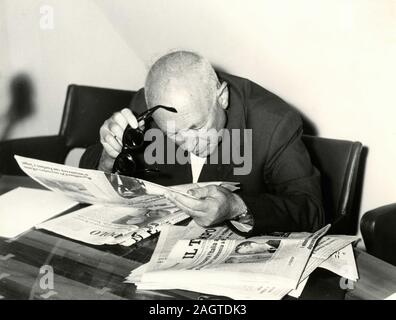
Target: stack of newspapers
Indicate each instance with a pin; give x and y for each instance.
(218, 262)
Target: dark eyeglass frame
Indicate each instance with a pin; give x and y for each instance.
(133, 139)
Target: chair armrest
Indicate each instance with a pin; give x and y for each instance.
(48, 148)
(378, 229)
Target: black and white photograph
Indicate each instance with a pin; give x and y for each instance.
(232, 150)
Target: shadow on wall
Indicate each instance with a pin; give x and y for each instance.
(21, 107)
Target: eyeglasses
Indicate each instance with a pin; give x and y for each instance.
(133, 139)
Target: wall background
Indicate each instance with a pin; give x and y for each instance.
(334, 60)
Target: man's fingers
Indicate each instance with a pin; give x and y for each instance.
(199, 192)
(116, 131)
(200, 217)
(191, 204)
(119, 119)
(112, 131)
(203, 192)
(141, 124)
(187, 202)
(113, 142)
(129, 116)
(185, 209)
(109, 150)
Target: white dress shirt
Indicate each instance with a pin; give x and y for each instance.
(196, 166)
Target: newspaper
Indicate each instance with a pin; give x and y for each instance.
(234, 290)
(342, 263)
(336, 256)
(209, 262)
(331, 253)
(99, 225)
(124, 210)
(97, 187)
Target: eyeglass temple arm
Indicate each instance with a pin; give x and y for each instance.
(149, 113)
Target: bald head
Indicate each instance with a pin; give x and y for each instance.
(181, 75)
(186, 81)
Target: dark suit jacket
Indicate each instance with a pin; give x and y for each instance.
(283, 189)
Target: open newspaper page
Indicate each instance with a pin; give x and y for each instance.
(125, 211)
(219, 262)
(93, 186)
(97, 187)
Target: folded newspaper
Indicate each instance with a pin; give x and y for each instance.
(124, 210)
(216, 261)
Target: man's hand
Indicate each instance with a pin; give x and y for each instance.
(111, 133)
(214, 205)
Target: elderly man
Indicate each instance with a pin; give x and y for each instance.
(280, 188)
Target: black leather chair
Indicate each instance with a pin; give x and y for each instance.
(378, 229)
(85, 110)
(338, 162)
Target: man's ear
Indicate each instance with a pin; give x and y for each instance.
(223, 95)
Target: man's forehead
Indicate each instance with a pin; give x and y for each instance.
(183, 101)
(176, 95)
(174, 122)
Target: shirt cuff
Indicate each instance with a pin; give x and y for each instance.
(243, 223)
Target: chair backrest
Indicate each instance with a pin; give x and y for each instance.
(338, 162)
(86, 108)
